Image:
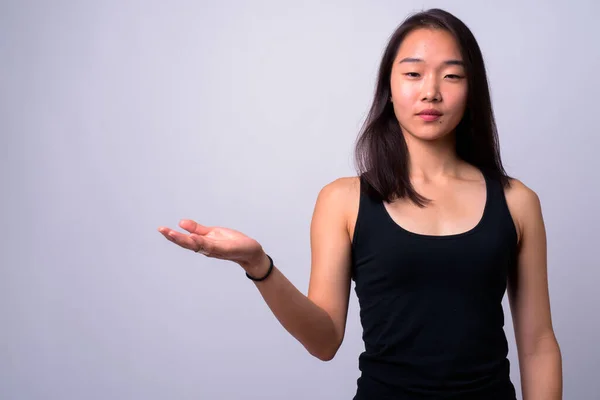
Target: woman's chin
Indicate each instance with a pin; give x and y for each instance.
(431, 135)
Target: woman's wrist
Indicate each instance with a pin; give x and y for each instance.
(258, 265)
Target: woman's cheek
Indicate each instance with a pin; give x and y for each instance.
(408, 90)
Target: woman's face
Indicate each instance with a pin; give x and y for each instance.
(428, 84)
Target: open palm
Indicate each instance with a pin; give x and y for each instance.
(217, 242)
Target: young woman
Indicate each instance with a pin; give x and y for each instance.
(432, 231)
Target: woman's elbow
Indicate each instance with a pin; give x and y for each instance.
(326, 353)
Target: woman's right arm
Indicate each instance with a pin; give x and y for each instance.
(318, 320)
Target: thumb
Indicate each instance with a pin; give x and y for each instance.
(193, 227)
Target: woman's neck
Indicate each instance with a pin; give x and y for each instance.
(433, 159)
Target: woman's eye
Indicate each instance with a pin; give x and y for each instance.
(412, 74)
(453, 76)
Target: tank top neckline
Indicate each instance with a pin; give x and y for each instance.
(476, 228)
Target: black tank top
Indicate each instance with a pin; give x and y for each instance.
(431, 306)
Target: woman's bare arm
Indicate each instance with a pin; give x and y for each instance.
(317, 320)
(539, 353)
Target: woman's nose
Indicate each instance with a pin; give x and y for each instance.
(431, 89)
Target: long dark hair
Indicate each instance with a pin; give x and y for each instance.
(381, 154)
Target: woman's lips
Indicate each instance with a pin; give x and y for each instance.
(430, 114)
(430, 117)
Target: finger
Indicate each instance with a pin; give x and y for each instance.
(180, 239)
(193, 227)
(165, 232)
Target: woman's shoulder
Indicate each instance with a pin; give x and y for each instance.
(345, 191)
(342, 187)
(345, 183)
(523, 203)
(343, 194)
(520, 195)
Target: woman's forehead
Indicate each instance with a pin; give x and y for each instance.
(429, 45)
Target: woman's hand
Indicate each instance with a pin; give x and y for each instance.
(218, 242)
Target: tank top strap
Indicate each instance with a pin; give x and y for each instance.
(499, 216)
(369, 212)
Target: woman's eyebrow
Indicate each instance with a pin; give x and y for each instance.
(417, 60)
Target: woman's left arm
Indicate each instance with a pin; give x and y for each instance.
(539, 354)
